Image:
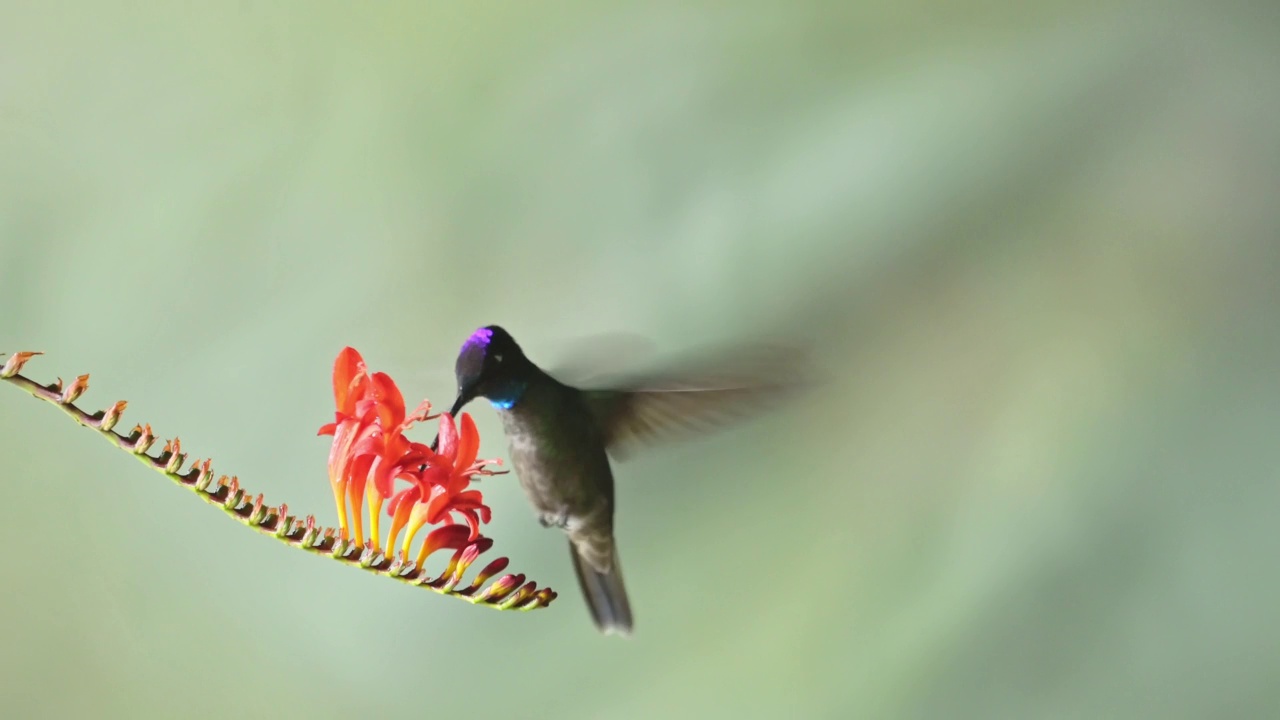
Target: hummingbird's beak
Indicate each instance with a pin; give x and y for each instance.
(464, 396)
(466, 393)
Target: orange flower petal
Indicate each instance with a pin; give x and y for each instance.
(468, 443)
(389, 401)
(383, 474)
(436, 505)
(449, 536)
(448, 439)
(420, 454)
(340, 451)
(346, 369)
(473, 522)
(418, 517)
(359, 476)
(401, 507)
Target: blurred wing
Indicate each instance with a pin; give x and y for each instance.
(695, 400)
(588, 359)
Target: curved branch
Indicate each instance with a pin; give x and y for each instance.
(509, 592)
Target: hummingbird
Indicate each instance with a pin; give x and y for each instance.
(562, 438)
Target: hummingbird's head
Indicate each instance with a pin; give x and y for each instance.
(492, 366)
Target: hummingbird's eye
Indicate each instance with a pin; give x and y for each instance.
(497, 358)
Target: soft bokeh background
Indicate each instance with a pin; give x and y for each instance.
(1037, 243)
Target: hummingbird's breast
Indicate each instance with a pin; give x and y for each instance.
(557, 454)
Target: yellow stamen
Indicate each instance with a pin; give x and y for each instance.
(340, 499)
(422, 555)
(357, 516)
(397, 522)
(375, 512)
(416, 521)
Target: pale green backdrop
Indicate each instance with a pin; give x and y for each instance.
(1036, 243)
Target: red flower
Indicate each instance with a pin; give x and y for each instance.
(439, 489)
(370, 453)
(350, 385)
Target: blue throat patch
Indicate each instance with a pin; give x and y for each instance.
(508, 396)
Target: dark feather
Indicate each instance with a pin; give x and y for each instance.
(605, 594)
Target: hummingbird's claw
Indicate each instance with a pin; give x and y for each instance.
(554, 520)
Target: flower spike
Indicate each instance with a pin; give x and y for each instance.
(437, 483)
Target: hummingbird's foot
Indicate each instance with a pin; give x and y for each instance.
(554, 520)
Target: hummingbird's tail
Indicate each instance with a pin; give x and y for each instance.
(605, 594)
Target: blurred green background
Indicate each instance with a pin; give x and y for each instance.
(1037, 245)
